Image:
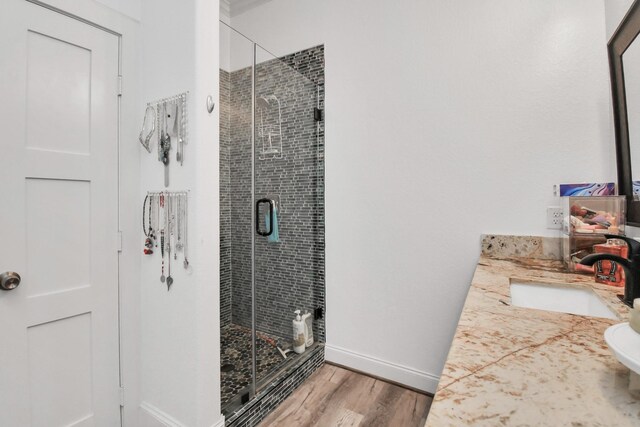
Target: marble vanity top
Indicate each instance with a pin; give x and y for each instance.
(518, 367)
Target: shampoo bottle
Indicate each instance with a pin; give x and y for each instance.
(308, 329)
(298, 334)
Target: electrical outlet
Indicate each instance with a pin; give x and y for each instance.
(554, 218)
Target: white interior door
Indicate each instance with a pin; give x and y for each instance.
(58, 220)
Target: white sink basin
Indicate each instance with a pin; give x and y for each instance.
(564, 299)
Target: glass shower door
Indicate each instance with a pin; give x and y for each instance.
(236, 295)
(271, 211)
(288, 179)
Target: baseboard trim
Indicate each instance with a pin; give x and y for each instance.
(155, 418)
(161, 418)
(412, 378)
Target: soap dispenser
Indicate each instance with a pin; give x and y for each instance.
(299, 340)
(308, 329)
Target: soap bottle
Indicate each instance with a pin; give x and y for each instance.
(298, 334)
(634, 316)
(308, 329)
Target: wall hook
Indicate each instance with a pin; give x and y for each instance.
(210, 104)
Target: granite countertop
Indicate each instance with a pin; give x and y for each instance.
(515, 366)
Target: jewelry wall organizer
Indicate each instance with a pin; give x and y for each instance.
(167, 118)
(165, 225)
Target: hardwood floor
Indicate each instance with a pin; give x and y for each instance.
(334, 396)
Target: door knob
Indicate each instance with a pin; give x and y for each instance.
(9, 280)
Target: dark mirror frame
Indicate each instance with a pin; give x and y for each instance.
(625, 34)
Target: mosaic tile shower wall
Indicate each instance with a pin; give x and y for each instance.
(289, 273)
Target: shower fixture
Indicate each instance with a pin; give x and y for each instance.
(270, 126)
(264, 102)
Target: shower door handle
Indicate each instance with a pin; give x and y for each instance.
(258, 219)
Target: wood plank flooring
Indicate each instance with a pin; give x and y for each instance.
(334, 397)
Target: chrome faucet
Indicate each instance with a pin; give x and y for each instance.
(631, 266)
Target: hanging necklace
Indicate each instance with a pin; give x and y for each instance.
(162, 278)
(144, 211)
(180, 224)
(174, 225)
(186, 231)
(156, 215)
(148, 242)
(151, 227)
(169, 223)
(152, 215)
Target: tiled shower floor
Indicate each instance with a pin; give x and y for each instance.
(235, 343)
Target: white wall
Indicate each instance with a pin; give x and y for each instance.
(130, 8)
(180, 357)
(207, 216)
(444, 120)
(168, 337)
(225, 47)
